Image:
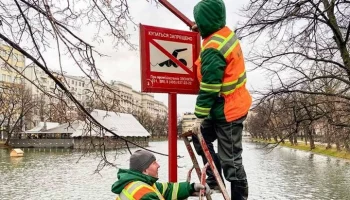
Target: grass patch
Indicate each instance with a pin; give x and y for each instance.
(319, 149)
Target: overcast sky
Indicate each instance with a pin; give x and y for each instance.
(124, 64)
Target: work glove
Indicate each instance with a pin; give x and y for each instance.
(197, 187)
(197, 125)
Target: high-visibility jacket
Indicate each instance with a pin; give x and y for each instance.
(136, 190)
(136, 185)
(226, 98)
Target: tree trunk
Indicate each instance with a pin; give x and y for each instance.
(306, 136)
(295, 139)
(269, 137)
(8, 137)
(275, 138)
(281, 138)
(327, 138)
(338, 137)
(346, 145)
(302, 136)
(311, 138)
(290, 138)
(341, 43)
(337, 144)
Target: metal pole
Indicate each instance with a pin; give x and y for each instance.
(176, 12)
(172, 140)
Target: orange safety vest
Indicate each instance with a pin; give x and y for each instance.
(136, 190)
(232, 89)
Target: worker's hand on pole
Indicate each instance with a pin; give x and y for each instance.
(197, 125)
(194, 28)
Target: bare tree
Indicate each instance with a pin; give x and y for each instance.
(161, 126)
(16, 104)
(32, 27)
(306, 41)
(304, 48)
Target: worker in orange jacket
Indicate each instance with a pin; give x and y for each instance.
(223, 100)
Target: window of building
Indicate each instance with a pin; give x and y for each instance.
(15, 56)
(9, 78)
(21, 58)
(2, 53)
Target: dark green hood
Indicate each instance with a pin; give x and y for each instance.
(126, 176)
(210, 16)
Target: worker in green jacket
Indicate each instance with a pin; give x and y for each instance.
(140, 181)
(223, 101)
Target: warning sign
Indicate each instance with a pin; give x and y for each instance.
(171, 57)
(167, 60)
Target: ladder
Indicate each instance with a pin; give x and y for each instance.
(202, 174)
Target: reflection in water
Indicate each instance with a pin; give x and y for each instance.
(281, 174)
(311, 157)
(15, 161)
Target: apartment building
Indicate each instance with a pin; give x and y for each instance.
(10, 78)
(153, 106)
(14, 58)
(125, 95)
(120, 96)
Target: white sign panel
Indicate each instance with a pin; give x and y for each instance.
(162, 63)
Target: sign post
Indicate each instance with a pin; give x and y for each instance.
(167, 66)
(172, 140)
(188, 84)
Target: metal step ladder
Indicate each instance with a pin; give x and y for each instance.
(202, 174)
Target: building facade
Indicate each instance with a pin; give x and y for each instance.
(115, 96)
(12, 64)
(14, 58)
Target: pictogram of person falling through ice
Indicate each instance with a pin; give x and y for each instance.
(169, 62)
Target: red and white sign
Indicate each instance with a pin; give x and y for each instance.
(167, 60)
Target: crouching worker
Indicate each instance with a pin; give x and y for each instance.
(139, 182)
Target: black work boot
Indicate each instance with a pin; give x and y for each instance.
(239, 190)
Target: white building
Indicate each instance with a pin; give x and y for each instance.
(121, 97)
(153, 106)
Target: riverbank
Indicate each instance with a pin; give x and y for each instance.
(319, 148)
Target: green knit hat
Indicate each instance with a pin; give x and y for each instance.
(210, 16)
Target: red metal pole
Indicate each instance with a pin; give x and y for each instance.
(176, 12)
(172, 140)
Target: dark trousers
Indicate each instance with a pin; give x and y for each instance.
(229, 156)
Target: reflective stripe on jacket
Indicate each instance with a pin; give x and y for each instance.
(136, 190)
(236, 98)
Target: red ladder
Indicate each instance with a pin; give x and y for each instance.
(202, 174)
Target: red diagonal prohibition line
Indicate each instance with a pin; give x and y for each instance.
(160, 48)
